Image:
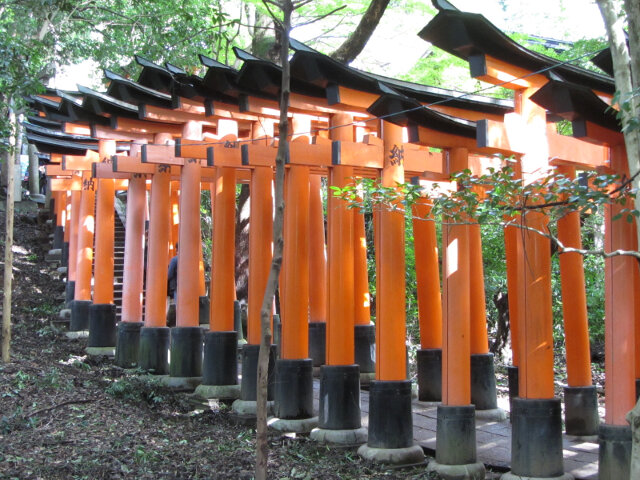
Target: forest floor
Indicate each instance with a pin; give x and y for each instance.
(66, 415)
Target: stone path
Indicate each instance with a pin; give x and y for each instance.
(493, 439)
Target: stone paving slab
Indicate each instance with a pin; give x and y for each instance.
(493, 438)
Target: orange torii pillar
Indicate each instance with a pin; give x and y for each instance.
(339, 412)
(260, 254)
(364, 331)
(59, 204)
(513, 253)
(66, 231)
(220, 364)
(102, 314)
(128, 341)
(317, 274)
(84, 256)
(390, 421)
(175, 218)
(484, 394)
(429, 357)
(154, 335)
(537, 438)
(614, 436)
(294, 369)
(74, 218)
(580, 397)
(186, 336)
(455, 434)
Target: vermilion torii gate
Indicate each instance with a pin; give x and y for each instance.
(222, 126)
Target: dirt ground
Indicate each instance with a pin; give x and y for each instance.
(64, 415)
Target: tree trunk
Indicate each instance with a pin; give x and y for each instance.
(34, 173)
(242, 244)
(262, 444)
(8, 245)
(352, 46)
(622, 70)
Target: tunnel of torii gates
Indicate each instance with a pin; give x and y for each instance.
(174, 134)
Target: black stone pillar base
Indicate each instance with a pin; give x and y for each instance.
(365, 347)
(294, 389)
(58, 237)
(65, 255)
(69, 292)
(220, 362)
(248, 384)
(317, 343)
(186, 352)
(536, 438)
(390, 421)
(102, 325)
(339, 397)
(128, 344)
(514, 386)
(79, 315)
(153, 352)
(637, 389)
(614, 454)
(483, 382)
(581, 410)
(456, 444)
(429, 362)
(203, 310)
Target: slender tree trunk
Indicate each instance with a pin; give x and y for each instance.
(623, 65)
(262, 444)
(8, 244)
(34, 173)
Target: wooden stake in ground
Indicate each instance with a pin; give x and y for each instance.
(8, 244)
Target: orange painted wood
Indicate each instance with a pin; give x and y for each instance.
(513, 254)
(175, 218)
(106, 133)
(570, 151)
(56, 170)
(73, 235)
(260, 246)
(574, 300)
(67, 216)
(86, 226)
(76, 129)
(77, 162)
(466, 114)
(340, 314)
(317, 253)
(356, 98)
(619, 309)
(536, 330)
(66, 184)
(105, 170)
(188, 289)
(427, 276)
(456, 366)
(362, 305)
(104, 234)
(158, 252)
(390, 322)
(479, 339)
(159, 114)
(223, 285)
(600, 135)
(132, 290)
(360, 154)
(295, 331)
(422, 161)
(509, 76)
(131, 125)
(59, 206)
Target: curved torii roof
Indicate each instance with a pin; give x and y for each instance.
(471, 36)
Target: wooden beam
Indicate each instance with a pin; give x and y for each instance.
(77, 162)
(66, 184)
(569, 151)
(106, 133)
(590, 132)
(163, 115)
(131, 125)
(76, 129)
(57, 171)
(491, 70)
(105, 170)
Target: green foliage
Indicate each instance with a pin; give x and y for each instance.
(136, 389)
